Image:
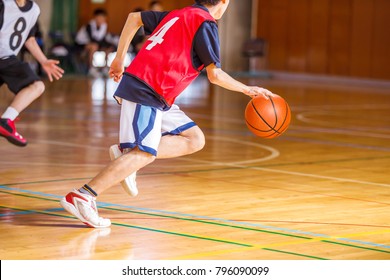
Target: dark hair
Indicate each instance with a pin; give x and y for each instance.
(138, 9)
(152, 3)
(99, 12)
(208, 2)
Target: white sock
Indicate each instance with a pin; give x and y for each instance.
(10, 113)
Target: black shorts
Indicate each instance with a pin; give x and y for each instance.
(16, 74)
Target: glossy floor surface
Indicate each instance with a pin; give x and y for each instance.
(321, 191)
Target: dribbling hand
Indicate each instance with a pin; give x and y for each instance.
(258, 91)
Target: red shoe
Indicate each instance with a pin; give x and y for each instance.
(8, 131)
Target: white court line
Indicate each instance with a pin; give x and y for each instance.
(341, 132)
(274, 153)
(301, 117)
(305, 117)
(294, 173)
(338, 179)
(344, 107)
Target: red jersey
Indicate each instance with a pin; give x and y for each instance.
(165, 61)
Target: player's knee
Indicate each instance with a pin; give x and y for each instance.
(38, 87)
(197, 141)
(143, 157)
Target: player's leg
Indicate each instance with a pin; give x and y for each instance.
(129, 184)
(27, 95)
(140, 130)
(82, 202)
(119, 169)
(181, 135)
(171, 146)
(27, 87)
(187, 142)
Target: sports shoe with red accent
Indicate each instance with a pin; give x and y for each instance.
(128, 184)
(84, 207)
(8, 131)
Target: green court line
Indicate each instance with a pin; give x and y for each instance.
(206, 222)
(199, 221)
(184, 235)
(168, 216)
(136, 227)
(167, 232)
(295, 254)
(355, 246)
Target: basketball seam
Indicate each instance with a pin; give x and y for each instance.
(257, 128)
(285, 117)
(271, 128)
(275, 112)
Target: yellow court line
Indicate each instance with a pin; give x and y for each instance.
(276, 245)
(358, 234)
(248, 247)
(140, 227)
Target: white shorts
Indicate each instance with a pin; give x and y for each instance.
(143, 126)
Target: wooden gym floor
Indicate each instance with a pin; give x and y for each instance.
(321, 191)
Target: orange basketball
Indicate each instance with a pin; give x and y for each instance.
(267, 118)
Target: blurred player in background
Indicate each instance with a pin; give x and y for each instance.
(182, 43)
(93, 37)
(17, 21)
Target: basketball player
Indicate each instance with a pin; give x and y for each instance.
(183, 42)
(17, 21)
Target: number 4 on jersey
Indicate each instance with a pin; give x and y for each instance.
(158, 38)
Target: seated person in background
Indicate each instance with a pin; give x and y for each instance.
(93, 37)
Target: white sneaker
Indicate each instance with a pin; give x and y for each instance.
(129, 184)
(84, 207)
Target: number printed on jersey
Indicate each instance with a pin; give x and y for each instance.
(16, 37)
(158, 37)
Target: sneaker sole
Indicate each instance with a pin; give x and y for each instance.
(127, 182)
(14, 141)
(72, 210)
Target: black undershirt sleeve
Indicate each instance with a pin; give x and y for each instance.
(1, 13)
(151, 20)
(207, 46)
(33, 31)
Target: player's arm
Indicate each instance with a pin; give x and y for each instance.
(49, 65)
(219, 77)
(133, 23)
